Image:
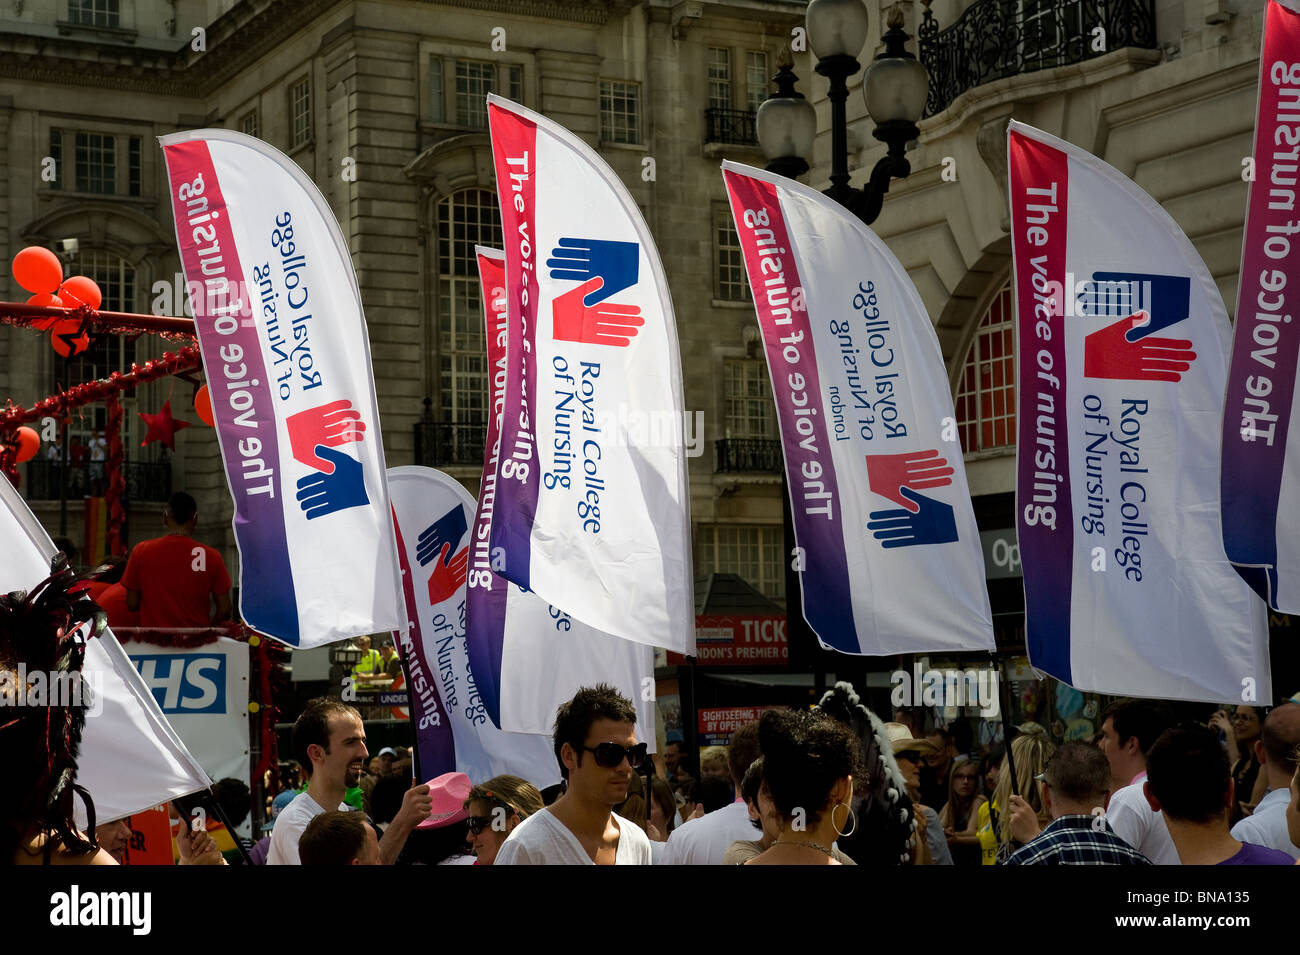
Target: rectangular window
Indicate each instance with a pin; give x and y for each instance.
(620, 112)
(300, 111)
(474, 81)
(728, 259)
(250, 125)
(133, 170)
(96, 164)
(56, 153)
(516, 78)
(437, 113)
(752, 551)
(748, 396)
(756, 79)
(719, 78)
(94, 13)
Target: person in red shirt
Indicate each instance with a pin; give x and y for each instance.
(105, 588)
(173, 580)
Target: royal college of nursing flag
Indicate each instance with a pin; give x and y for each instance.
(882, 515)
(1261, 454)
(526, 655)
(287, 358)
(1122, 341)
(432, 513)
(591, 508)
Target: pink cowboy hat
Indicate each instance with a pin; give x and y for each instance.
(449, 792)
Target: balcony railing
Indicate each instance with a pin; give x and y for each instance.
(439, 444)
(994, 39)
(145, 480)
(734, 127)
(749, 454)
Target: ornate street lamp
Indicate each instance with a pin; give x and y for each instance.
(894, 88)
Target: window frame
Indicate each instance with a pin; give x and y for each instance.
(439, 108)
(722, 216)
(969, 392)
(769, 548)
(608, 132)
(302, 83)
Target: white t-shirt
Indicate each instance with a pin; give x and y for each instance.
(705, 841)
(1130, 815)
(541, 839)
(1266, 826)
(289, 826)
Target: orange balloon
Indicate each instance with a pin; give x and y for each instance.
(80, 290)
(46, 300)
(67, 338)
(38, 269)
(29, 442)
(203, 406)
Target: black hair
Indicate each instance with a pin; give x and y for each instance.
(39, 746)
(715, 793)
(804, 755)
(1145, 719)
(313, 726)
(333, 838)
(431, 846)
(1188, 772)
(234, 797)
(749, 787)
(742, 750)
(386, 797)
(182, 507)
(574, 718)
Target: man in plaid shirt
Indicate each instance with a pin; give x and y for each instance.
(1076, 788)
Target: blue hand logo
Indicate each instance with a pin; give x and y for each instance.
(448, 529)
(1121, 294)
(934, 523)
(584, 259)
(320, 494)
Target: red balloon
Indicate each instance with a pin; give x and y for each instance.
(67, 337)
(29, 442)
(80, 290)
(46, 300)
(38, 269)
(203, 406)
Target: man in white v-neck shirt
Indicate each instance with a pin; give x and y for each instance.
(330, 737)
(595, 744)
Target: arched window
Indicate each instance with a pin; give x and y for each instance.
(986, 389)
(465, 219)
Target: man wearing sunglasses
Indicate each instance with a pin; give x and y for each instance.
(596, 747)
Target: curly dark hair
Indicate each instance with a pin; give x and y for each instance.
(574, 718)
(804, 755)
(885, 817)
(42, 631)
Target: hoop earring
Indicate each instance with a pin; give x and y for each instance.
(850, 814)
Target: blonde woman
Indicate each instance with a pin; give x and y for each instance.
(1031, 751)
(495, 808)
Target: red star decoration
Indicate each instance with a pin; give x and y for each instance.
(162, 426)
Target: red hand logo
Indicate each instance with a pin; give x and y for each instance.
(1107, 353)
(332, 425)
(601, 324)
(448, 574)
(888, 474)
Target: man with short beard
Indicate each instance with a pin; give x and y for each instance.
(330, 737)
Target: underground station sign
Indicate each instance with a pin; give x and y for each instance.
(739, 640)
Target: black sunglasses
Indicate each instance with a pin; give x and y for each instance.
(911, 755)
(478, 823)
(611, 755)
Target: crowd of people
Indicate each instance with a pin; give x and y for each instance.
(832, 785)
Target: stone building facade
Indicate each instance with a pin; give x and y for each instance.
(382, 104)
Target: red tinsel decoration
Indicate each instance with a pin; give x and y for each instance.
(99, 322)
(116, 485)
(57, 406)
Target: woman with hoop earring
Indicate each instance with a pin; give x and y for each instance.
(808, 760)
